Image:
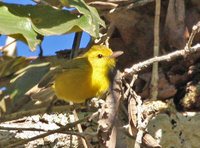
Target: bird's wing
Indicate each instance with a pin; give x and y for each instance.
(48, 79)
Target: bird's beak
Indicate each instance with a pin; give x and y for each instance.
(116, 54)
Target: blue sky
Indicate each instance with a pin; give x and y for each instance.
(50, 44)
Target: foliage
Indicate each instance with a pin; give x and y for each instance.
(28, 22)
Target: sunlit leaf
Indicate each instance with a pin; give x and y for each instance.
(28, 20)
(26, 78)
(92, 19)
(11, 24)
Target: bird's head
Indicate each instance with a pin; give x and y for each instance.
(102, 57)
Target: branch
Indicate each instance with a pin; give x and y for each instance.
(142, 65)
(20, 129)
(21, 114)
(138, 4)
(76, 45)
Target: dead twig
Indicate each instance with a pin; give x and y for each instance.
(129, 86)
(154, 78)
(138, 4)
(22, 114)
(21, 129)
(142, 65)
(80, 130)
(195, 30)
(2, 48)
(104, 5)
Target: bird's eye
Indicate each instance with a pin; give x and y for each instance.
(100, 55)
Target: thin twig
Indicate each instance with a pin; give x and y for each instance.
(105, 4)
(141, 131)
(7, 45)
(138, 4)
(195, 30)
(79, 127)
(76, 45)
(21, 129)
(154, 76)
(129, 86)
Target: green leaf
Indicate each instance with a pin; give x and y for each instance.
(49, 21)
(12, 24)
(29, 20)
(87, 10)
(26, 78)
(92, 17)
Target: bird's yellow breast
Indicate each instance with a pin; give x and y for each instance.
(77, 85)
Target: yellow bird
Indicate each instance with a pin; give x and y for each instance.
(84, 77)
